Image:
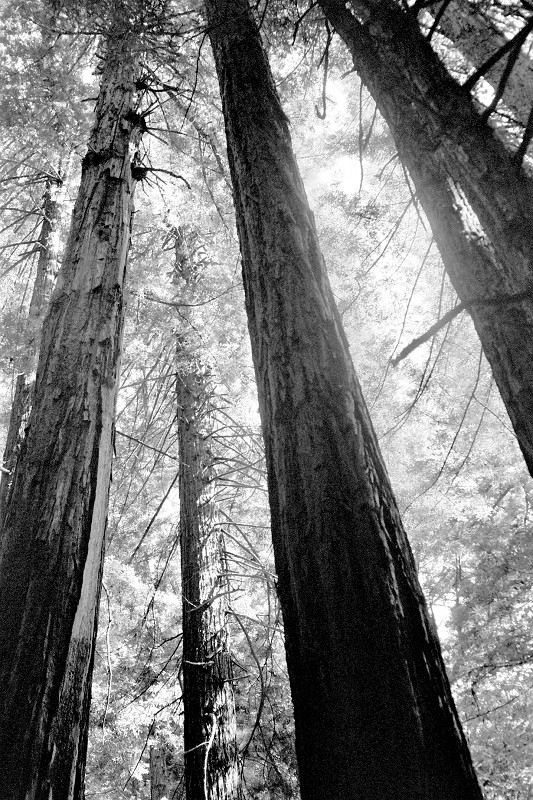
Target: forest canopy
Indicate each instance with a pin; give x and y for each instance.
(138, 458)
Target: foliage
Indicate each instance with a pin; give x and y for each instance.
(453, 461)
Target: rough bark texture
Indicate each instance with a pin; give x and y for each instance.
(211, 765)
(47, 266)
(478, 202)
(52, 539)
(373, 710)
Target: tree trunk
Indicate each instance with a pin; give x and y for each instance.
(211, 766)
(47, 269)
(162, 780)
(53, 534)
(478, 201)
(373, 710)
(47, 266)
(209, 720)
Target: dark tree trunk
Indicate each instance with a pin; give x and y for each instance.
(478, 201)
(52, 539)
(209, 721)
(373, 710)
(211, 766)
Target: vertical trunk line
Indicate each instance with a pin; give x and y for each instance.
(47, 266)
(374, 714)
(478, 203)
(53, 536)
(210, 743)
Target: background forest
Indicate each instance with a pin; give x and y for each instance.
(459, 476)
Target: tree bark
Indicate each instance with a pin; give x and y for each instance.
(162, 779)
(52, 539)
(478, 201)
(47, 266)
(211, 756)
(373, 710)
(209, 719)
(47, 269)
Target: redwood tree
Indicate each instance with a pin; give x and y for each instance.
(476, 195)
(53, 533)
(373, 710)
(209, 722)
(47, 266)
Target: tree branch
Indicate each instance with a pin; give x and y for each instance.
(502, 300)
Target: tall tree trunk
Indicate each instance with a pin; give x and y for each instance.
(209, 719)
(211, 765)
(52, 539)
(47, 266)
(477, 199)
(373, 710)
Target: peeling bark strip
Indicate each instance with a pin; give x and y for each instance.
(52, 539)
(478, 202)
(210, 743)
(373, 709)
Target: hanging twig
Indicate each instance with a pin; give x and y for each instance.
(154, 517)
(325, 58)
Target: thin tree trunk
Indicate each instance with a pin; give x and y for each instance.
(47, 269)
(373, 709)
(478, 201)
(209, 720)
(47, 266)
(211, 767)
(162, 782)
(53, 534)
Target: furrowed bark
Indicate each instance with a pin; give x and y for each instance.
(478, 201)
(52, 539)
(373, 710)
(209, 720)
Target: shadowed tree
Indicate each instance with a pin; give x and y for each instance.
(476, 195)
(51, 544)
(47, 266)
(209, 722)
(373, 710)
